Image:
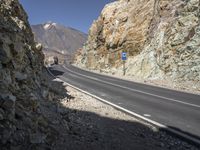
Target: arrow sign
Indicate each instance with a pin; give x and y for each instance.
(124, 56)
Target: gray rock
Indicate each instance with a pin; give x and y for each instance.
(19, 60)
(9, 102)
(33, 97)
(45, 93)
(1, 114)
(37, 138)
(6, 135)
(5, 55)
(162, 145)
(20, 76)
(1, 117)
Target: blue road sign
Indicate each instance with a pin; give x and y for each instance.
(124, 56)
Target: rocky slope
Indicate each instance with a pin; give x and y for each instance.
(58, 40)
(35, 113)
(27, 117)
(161, 37)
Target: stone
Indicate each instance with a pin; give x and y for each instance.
(30, 121)
(9, 102)
(33, 97)
(20, 60)
(157, 36)
(6, 135)
(162, 145)
(37, 138)
(5, 54)
(20, 76)
(45, 93)
(39, 46)
(1, 116)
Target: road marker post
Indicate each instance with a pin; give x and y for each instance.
(124, 58)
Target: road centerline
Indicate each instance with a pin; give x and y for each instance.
(135, 90)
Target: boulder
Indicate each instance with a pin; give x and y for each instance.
(20, 76)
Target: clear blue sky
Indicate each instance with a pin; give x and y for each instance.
(78, 14)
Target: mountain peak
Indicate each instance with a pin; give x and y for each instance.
(48, 25)
(65, 40)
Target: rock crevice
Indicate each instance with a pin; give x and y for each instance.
(25, 86)
(161, 38)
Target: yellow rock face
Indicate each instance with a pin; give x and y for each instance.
(161, 37)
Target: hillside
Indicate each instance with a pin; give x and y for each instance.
(28, 95)
(161, 39)
(58, 40)
(37, 112)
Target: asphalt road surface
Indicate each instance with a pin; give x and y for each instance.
(177, 110)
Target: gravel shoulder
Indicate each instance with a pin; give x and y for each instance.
(95, 125)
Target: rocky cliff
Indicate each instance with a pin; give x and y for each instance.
(161, 37)
(24, 90)
(34, 109)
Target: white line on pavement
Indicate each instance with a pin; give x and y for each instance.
(134, 114)
(135, 90)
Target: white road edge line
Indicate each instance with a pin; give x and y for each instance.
(169, 99)
(159, 125)
(157, 86)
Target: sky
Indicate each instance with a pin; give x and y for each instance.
(78, 14)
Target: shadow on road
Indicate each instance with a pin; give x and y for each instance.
(56, 72)
(75, 129)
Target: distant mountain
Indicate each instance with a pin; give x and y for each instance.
(58, 38)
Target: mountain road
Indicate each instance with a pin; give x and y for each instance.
(174, 109)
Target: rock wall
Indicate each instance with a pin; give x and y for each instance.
(161, 37)
(24, 90)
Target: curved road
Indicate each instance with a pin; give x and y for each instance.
(177, 110)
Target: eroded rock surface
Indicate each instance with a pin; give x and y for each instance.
(35, 113)
(161, 37)
(24, 89)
